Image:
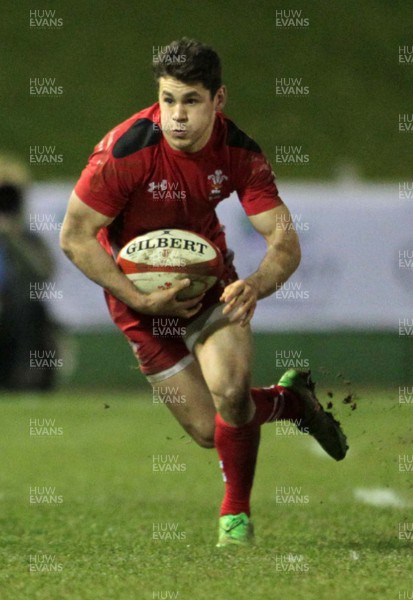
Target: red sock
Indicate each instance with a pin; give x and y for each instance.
(276, 403)
(237, 449)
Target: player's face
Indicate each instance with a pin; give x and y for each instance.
(187, 113)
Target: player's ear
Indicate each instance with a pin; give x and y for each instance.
(220, 98)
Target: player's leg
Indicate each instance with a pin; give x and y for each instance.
(176, 380)
(188, 398)
(225, 359)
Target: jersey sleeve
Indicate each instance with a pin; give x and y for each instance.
(106, 182)
(257, 189)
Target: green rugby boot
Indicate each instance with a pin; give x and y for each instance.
(235, 530)
(316, 421)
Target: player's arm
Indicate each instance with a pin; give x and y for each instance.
(279, 263)
(283, 250)
(78, 241)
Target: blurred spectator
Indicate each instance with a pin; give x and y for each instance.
(25, 324)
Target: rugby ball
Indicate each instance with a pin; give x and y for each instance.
(156, 260)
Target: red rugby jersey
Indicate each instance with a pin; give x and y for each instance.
(136, 177)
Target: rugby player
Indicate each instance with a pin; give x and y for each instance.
(185, 142)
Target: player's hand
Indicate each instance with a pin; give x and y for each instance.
(240, 298)
(164, 302)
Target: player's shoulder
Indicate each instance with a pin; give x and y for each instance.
(136, 133)
(236, 137)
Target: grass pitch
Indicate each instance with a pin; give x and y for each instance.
(89, 509)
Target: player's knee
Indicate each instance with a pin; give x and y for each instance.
(203, 437)
(233, 397)
(233, 390)
(202, 434)
(205, 442)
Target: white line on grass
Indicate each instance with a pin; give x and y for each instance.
(380, 497)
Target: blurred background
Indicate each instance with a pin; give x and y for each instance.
(324, 87)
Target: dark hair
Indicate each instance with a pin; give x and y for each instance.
(189, 61)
